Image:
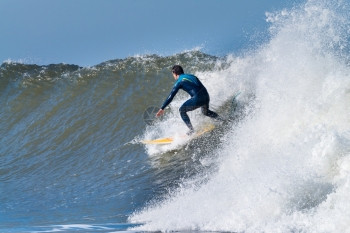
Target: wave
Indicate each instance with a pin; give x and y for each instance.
(65, 135)
(283, 165)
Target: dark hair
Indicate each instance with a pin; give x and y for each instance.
(177, 70)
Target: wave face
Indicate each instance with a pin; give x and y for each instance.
(285, 166)
(67, 155)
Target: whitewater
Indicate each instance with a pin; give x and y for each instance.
(71, 158)
(286, 166)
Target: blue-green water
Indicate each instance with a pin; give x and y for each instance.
(67, 153)
(71, 158)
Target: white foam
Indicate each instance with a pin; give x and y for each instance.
(285, 167)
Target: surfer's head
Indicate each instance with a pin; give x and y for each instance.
(177, 70)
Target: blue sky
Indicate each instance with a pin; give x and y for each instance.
(88, 32)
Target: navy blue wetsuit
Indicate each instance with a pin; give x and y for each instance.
(199, 97)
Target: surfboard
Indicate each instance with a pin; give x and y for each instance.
(168, 140)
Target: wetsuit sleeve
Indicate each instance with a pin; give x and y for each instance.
(171, 95)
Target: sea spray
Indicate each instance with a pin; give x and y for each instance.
(284, 167)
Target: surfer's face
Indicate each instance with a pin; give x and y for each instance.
(175, 76)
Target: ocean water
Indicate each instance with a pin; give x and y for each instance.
(71, 158)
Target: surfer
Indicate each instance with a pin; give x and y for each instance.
(197, 91)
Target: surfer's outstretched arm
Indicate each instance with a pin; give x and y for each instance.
(169, 99)
(171, 95)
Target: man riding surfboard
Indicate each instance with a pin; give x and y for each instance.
(197, 91)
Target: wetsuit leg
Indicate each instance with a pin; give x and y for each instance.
(201, 100)
(209, 113)
(189, 105)
(204, 100)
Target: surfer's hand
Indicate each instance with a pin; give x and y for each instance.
(160, 112)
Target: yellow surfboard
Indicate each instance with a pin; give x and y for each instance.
(169, 140)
